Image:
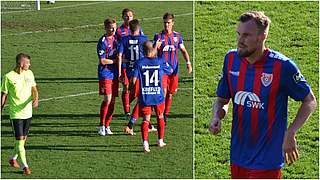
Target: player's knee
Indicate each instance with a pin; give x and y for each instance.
(20, 138)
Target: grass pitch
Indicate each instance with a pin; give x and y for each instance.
(63, 141)
(293, 32)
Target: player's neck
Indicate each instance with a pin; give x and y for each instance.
(257, 56)
(18, 69)
(168, 32)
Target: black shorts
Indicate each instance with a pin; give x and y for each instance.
(21, 126)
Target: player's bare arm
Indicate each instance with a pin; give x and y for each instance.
(119, 64)
(3, 100)
(105, 61)
(290, 144)
(35, 97)
(219, 110)
(187, 58)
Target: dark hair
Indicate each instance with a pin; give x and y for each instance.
(168, 16)
(108, 22)
(134, 25)
(126, 10)
(259, 18)
(20, 56)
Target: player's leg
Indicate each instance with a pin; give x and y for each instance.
(115, 87)
(133, 119)
(160, 120)
(146, 111)
(172, 89)
(125, 94)
(21, 127)
(26, 127)
(17, 126)
(105, 89)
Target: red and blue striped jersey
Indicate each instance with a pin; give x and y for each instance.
(107, 48)
(259, 93)
(131, 47)
(123, 31)
(170, 44)
(149, 72)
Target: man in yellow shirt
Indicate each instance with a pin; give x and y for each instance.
(19, 87)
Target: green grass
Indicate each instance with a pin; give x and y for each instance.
(294, 32)
(63, 142)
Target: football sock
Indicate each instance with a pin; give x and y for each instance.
(125, 102)
(144, 130)
(22, 152)
(131, 122)
(15, 151)
(103, 112)
(110, 112)
(168, 105)
(135, 111)
(160, 128)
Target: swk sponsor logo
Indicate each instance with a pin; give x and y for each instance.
(248, 99)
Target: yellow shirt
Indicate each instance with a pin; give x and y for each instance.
(18, 90)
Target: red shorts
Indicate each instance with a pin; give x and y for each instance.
(238, 172)
(125, 80)
(108, 86)
(170, 83)
(147, 110)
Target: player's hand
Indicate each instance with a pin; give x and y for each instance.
(189, 67)
(158, 44)
(215, 126)
(289, 146)
(35, 103)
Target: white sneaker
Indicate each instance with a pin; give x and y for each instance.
(101, 130)
(146, 146)
(161, 143)
(108, 130)
(153, 129)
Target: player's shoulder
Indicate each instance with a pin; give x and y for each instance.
(102, 38)
(277, 56)
(231, 51)
(177, 33)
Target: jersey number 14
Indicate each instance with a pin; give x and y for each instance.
(154, 79)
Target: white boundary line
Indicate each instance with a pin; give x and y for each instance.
(83, 26)
(59, 7)
(88, 93)
(92, 92)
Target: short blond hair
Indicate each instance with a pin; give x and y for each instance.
(262, 21)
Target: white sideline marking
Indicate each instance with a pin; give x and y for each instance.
(83, 26)
(86, 93)
(59, 7)
(72, 95)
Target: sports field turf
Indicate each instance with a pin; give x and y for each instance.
(63, 141)
(293, 32)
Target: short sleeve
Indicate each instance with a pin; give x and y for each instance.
(33, 81)
(296, 85)
(181, 45)
(223, 89)
(101, 50)
(4, 85)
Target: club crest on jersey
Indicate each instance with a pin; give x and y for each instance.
(266, 79)
(175, 39)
